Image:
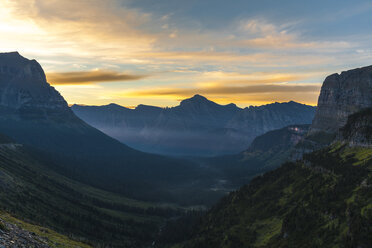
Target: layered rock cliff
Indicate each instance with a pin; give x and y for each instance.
(342, 95)
(24, 91)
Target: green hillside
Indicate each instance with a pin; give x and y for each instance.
(325, 200)
(31, 191)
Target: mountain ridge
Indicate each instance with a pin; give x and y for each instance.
(215, 129)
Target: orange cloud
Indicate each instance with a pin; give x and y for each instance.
(243, 96)
(89, 77)
(220, 90)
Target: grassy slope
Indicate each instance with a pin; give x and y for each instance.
(324, 201)
(55, 239)
(28, 189)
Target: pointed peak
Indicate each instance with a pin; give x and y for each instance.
(197, 96)
(195, 99)
(114, 105)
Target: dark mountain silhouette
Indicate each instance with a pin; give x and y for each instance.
(197, 126)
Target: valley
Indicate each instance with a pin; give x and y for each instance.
(64, 183)
(185, 124)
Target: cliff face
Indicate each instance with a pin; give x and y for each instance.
(24, 91)
(342, 95)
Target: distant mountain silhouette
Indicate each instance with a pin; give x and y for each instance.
(197, 126)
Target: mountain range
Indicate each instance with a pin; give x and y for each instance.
(197, 127)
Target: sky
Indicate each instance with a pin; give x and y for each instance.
(158, 52)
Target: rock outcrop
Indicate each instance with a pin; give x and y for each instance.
(25, 92)
(342, 95)
(13, 236)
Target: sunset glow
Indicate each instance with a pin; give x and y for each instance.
(133, 52)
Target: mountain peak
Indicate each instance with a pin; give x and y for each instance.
(24, 90)
(11, 54)
(199, 96)
(13, 59)
(196, 99)
(15, 53)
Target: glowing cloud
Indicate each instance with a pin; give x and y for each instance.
(89, 77)
(245, 58)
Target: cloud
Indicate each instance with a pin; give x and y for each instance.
(220, 90)
(97, 29)
(260, 34)
(243, 95)
(101, 31)
(230, 78)
(90, 77)
(82, 35)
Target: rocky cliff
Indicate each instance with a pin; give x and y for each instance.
(342, 95)
(25, 93)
